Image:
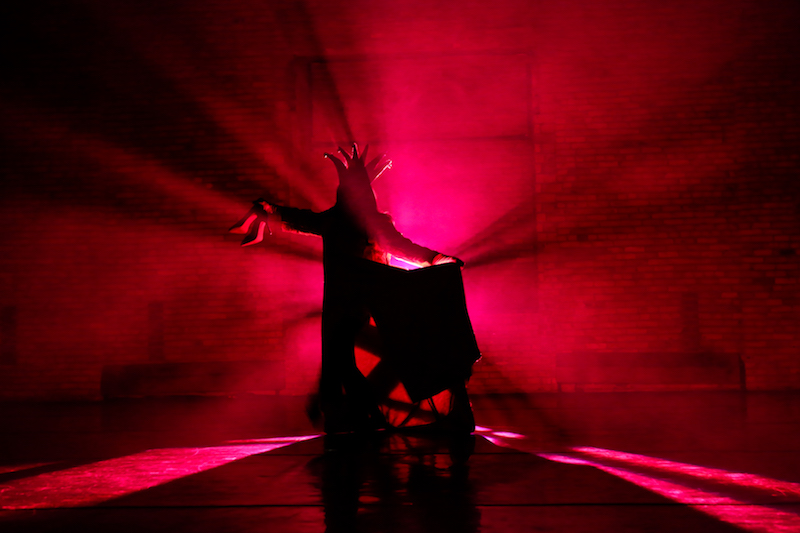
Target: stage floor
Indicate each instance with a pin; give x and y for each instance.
(548, 462)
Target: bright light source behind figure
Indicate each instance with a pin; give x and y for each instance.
(426, 336)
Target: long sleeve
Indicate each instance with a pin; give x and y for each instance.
(300, 220)
(392, 241)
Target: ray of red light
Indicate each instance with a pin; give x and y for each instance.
(674, 491)
(508, 435)
(124, 164)
(750, 517)
(18, 468)
(713, 474)
(94, 483)
(165, 49)
(743, 514)
(281, 440)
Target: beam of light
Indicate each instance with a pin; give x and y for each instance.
(127, 165)
(91, 484)
(736, 511)
(399, 262)
(741, 479)
(674, 491)
(165, 49)
(509, 435)
(740, 513)
(9, 469)
(282, 440)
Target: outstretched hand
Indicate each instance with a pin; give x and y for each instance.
(254, 223)
(377, 166)
(353, 163)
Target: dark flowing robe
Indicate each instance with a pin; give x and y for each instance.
(421, 315)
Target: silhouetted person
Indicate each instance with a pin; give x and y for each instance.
(354, 231)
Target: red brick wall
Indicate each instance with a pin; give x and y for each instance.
(668, 192)
(636, 229)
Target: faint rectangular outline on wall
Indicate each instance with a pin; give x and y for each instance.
(8, 335)
(306, 90)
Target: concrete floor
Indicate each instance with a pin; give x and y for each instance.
(549, 462)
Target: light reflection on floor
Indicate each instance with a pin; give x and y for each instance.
(94, 483)
(776, 487)
(752, 514)
(745, 500)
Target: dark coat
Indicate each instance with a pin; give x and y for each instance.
(422, 319)
(421, 315)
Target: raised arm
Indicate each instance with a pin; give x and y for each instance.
(394, 242)
(256, 222)
(357, 197)
(294, 219)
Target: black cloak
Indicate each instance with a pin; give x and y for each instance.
(421, 317)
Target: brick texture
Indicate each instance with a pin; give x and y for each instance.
(633, 223)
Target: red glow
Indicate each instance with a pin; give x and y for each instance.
(366, 361)
(738, 511)
(750, 517)
(674, 491)
(402, 263)
(282, 440)
(398, 408)
(18, 468)
(508, 435)
(399, 394)
(741, 479)
(97, 482)
(589, 183)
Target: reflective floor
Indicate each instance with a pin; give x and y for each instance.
(550, 462)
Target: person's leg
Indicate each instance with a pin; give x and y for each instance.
(358, 391)
(460, 418)
(345, 395)
(334, 350)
